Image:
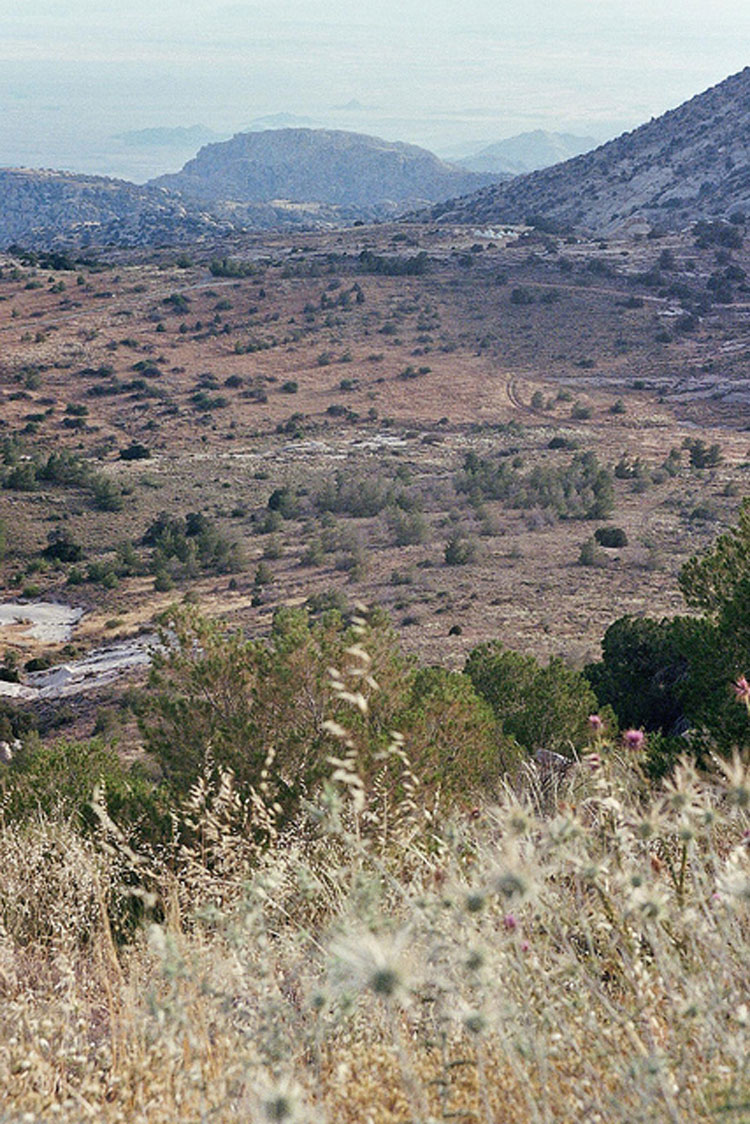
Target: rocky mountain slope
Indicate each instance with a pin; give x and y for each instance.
(516, 156)
(42, 209)
(691, 163)
(326, 166)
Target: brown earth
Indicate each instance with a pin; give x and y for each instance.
(502, 377)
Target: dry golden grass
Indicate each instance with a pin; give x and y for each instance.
(574, 952)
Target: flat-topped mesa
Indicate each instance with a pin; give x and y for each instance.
(320, 165)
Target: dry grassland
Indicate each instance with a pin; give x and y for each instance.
(400, 383)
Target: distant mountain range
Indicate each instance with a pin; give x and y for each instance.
(329, 166)
(270, 179)
(691, 163)
(526, 152)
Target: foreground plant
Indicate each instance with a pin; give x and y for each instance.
(379, 963)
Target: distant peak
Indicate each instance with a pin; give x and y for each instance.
(352, 106)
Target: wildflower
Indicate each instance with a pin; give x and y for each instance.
(741, 688)
(510, 923)
(634, 739)
(595, 723)
(592, 761)
(525, 946)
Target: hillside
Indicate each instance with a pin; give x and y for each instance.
(691, 163)
(527, 152)
(319, 166)
(46, 208)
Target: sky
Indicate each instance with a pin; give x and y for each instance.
(452, 75)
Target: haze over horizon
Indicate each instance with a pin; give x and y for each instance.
(73, 73)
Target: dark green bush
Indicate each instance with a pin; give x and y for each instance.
(580, 490)
(611, 537)
(541, 707)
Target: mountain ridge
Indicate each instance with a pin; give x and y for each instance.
(43, 208)
(527, 152)
(691, 163)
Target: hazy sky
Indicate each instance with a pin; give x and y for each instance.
(445, 73)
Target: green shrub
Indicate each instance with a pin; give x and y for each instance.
(643, 671)
(407, 527)
(61, 547)
(187, 546)
(580, 490)
(611, 537)
(460, 551)
(135, 452)
(702, 455)
(285, 502)
(590, 555)
(59, 778)
(541, 707)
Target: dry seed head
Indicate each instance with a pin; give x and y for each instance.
(647, 902)
(335, 730)
(510, 882)
(475, 902)
(368, 962)
(519, 822)
(735, 881)
(474, 1022)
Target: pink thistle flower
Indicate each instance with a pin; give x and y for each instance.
(593, 761)
(525, 946)
(510, 922)
(634, 739)
(595, 723)
(741, 688)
